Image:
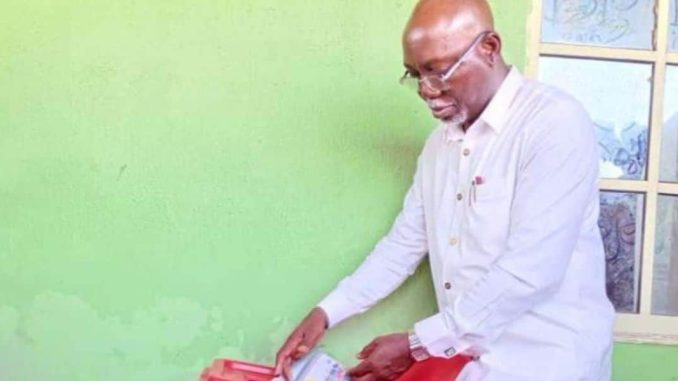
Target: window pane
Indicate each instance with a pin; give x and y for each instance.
(673, 27)
(665, 278)
(621, 227)
(617, 95)
(669, 162)
(612, 23)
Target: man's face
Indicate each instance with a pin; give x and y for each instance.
(430, 53)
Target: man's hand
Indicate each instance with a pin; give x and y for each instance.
(307, 334)
(385, 358)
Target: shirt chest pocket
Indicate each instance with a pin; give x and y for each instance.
(488, 214)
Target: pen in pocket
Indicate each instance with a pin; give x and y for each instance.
(478, 180)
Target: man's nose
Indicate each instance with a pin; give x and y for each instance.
(426, 92)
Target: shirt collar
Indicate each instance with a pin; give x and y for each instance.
(496, 111)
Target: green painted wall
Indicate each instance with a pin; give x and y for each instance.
(181, 180)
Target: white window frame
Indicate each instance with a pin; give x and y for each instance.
(642, 327)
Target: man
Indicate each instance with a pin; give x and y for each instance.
(505, 203)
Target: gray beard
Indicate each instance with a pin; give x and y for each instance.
(457, 121)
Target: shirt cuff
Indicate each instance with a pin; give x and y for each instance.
(439, 339)
(337, 308)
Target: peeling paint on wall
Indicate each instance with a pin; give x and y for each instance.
(61, 337)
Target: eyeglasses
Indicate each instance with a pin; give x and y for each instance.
(438, 82)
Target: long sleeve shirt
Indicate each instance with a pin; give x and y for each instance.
(507, 214)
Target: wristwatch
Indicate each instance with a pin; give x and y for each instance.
(417, 350)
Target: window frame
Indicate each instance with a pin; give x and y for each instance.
(642, 327)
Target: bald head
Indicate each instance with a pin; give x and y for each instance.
(463, 19)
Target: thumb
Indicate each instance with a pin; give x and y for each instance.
(308, 342)
(301, 350)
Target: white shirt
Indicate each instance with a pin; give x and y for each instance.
(507, 213)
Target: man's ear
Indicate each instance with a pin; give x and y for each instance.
(491, 47)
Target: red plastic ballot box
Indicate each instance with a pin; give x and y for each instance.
(433, 369)
(232, 370)
(436, 369)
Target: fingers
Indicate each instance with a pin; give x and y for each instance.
(366, 377)
(286, 352)
(360, 370)
(301, 341)
(287, 369)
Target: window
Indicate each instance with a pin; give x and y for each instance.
(620, 59)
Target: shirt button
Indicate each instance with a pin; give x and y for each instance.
(459, 196)
(467, 152)
(448, 285)
(453, 241)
